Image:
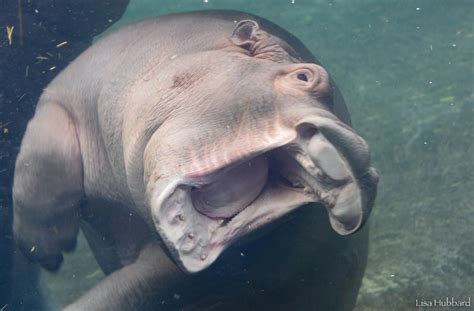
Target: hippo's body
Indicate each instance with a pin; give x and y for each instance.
(174, 139)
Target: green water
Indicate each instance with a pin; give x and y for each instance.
(406, 69)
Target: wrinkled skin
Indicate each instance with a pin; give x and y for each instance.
(175, 139)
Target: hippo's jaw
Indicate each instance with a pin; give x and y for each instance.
(198, 217)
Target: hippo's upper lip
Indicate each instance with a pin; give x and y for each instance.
(196, 232)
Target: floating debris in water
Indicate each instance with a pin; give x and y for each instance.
(61, 44)
(93, 274)
(176, 296)
(447, 99)
(10, 34)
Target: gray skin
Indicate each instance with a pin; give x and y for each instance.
(200, 154)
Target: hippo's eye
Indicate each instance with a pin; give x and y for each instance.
(302, 77)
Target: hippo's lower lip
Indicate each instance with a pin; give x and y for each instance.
(196, 237)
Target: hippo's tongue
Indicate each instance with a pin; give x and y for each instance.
(233, 191)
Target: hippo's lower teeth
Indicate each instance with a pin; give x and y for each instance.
(295, 182)
(291, 180)
(225, 221)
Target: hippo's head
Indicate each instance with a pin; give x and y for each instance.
(248, 133)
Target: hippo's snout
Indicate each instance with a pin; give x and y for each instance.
(339, 160)
(342, 138)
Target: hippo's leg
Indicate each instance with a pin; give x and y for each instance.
(142, 285)
(48, 187)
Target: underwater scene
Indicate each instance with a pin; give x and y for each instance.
(264, 241)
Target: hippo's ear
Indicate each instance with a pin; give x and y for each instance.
(244, 34)
(248, 35)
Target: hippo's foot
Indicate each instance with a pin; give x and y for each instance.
(48, 187)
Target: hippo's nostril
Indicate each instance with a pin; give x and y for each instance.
(307, 131)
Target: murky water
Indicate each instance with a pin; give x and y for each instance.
(406, 69)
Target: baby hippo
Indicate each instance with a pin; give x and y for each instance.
(210, 162)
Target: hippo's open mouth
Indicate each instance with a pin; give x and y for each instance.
(201, 215)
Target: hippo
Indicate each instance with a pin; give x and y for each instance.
(209, 160)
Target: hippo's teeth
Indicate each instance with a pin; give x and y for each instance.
(295, 181)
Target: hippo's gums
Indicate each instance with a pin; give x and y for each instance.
(177, 137)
